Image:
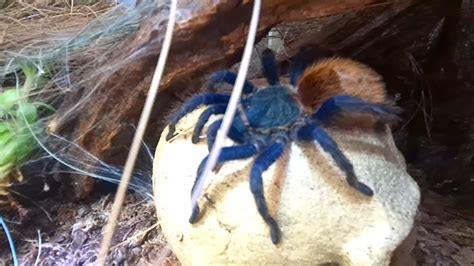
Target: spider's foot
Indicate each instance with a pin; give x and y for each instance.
(195, 215)
(391, 118)
(195, 138)
(171, 134)
(275, 232)
(379, 127)
(364, 189)
(217, 167)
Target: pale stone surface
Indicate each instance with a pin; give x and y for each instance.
(322, 219)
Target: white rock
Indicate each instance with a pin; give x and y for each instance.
(322, 219)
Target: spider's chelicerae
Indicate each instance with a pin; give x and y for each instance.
(271, 118)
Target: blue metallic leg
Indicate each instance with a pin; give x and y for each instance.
(263, 161)
(297, 70)
(229, 77)
(212, 133)
(345, 103)
(314, 132)
(270, 68)
(227, 154)
(305, 57)
(204, 117)
(300, 61)
(193, 103)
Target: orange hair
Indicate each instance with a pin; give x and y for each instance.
(335, 76)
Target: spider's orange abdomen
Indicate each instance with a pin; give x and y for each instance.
(335, 76)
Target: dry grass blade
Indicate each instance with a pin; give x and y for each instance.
(136, 144)
(232, 105)
(424, 105)
(38, 27)
(35, 203)
(40, 245)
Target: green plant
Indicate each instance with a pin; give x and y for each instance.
(19, 120)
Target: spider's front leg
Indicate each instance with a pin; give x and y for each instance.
(344, 103)
(270, 67)
(262, 163)
(192, 104)
(315, 132)
(229, 77)
(304, 57)
(233, 134)
(212, 133)
(204, 117)
(227, 154)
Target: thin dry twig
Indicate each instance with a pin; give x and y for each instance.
(136, 143)
(423, 105)
(40, 245)
(135, 236)
(35, 203)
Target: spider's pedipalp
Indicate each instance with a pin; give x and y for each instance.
(262, 163)
(345, 103)
(204, 117)
(229, 77)
(270, 67)
(193, 103)
(316, 133)
(227, 154)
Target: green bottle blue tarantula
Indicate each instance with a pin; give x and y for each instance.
(274, 116)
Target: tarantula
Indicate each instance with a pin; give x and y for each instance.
(271, 118)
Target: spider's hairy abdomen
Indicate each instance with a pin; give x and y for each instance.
(271, 107)
(337, 76)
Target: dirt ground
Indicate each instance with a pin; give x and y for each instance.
(74, 234)
(444, 236)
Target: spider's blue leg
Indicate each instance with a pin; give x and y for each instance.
(227, 154)
(193, 103)
(229, 77)
(263, 161)
(300, 61)
(270, 67)
(212, 133)
(204, 117)
(345, 103)
(314, 132)
(305, 57)
(297, 70)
